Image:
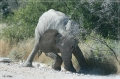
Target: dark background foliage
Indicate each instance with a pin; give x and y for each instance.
(100, 16)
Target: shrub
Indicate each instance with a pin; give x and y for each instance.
(16, 55)
(15, 34)
(100, 58)
(101, 64)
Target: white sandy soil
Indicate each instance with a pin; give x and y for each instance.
(14, 70)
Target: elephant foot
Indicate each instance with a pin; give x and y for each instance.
(72, 70)
(27, 64)
(83, 71)
(56, 68)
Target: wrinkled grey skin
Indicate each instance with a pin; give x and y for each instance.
(51, 43)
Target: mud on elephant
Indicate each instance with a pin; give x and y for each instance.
(52, 43)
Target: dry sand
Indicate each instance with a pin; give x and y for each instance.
(14, 70)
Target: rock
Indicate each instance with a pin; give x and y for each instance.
(74, 73)
(43, 65)
(5, 60)
(68, 72)
(38, 65)
(82, 74)
(7, 76)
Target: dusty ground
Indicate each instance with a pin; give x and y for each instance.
(14, 70)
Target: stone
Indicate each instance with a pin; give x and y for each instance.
(5, 60)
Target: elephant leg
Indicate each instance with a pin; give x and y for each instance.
(67, 62)
(80, 58)
(34, 51)
(58, 60)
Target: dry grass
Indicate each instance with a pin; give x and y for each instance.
(22, 47)
(4, 48)
(99, 58)
(44, 59)
(21, 51)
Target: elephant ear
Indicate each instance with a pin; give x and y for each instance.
(76, 41)
(58, 38)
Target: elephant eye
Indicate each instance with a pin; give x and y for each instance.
(57, 35)
(72, 47)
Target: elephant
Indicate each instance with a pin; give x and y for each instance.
(52, 43)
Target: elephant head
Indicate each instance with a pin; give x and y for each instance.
(66, 46)
(52, 41)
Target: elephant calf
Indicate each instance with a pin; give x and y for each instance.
(52, 43)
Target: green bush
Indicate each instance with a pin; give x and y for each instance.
(101, 16)
(98, 15)
(15, 34)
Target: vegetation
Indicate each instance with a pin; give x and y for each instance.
(100, 19)
(99, 58)
(101, 16)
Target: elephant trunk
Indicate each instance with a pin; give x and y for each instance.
(80, 58)
(67, 62)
